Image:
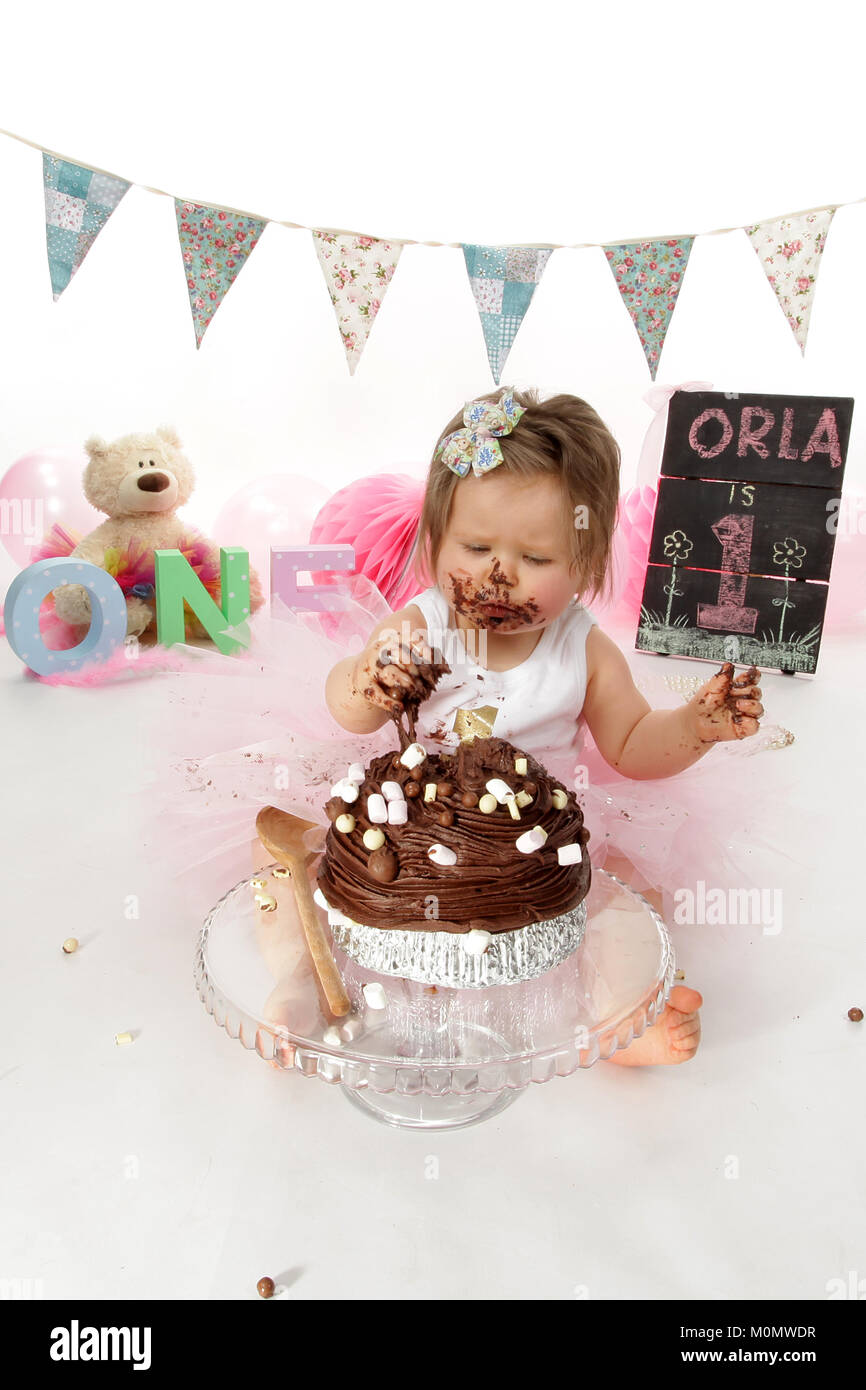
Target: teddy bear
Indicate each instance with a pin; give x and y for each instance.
(139, 481)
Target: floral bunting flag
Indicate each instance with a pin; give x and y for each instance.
(78, 203)
(649, 276)
(789, 249)
(357, 271)
(503, 280)
(215, 246)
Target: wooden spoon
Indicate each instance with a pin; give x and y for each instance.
(283, 837)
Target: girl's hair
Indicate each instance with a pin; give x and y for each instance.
(564, 438)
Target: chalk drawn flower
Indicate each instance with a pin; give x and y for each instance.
(678, 546)
(788, 553)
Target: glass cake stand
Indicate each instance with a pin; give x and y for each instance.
(431, 1058)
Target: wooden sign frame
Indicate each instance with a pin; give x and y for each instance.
(744, 529)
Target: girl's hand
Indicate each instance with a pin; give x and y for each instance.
(384, 671)
(727, 706)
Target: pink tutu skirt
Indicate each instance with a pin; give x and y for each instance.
(251, 730)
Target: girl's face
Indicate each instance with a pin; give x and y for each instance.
(506, 560)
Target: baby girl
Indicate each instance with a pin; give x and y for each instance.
(516, 529)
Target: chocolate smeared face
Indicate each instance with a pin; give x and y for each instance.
(507, 559)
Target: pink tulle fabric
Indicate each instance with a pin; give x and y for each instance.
(378, 516)
(248, 731)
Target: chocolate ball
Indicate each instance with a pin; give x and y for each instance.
(418, 773)
(855, 1015)
(412, 789)
(266, 1287)
(444, 789)
(531, 787)
(446, 817)
(469, 799)
(382, 865)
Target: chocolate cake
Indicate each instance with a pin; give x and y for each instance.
(481, 839)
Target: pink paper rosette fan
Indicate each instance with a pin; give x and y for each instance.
(379, 517)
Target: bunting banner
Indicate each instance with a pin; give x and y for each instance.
(503, 280)
(357, 271)
(649, 276)
(78, 203)
(789, 249)
(215, 245)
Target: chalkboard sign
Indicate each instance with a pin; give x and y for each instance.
(743, 534)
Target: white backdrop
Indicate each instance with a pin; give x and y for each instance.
(489, 122)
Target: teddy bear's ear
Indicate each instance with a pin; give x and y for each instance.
(95, 446)
(170, 435)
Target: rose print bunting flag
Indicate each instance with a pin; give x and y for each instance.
(78, 203)
(357, 271)
(789, 249)
(503, 280)
(215, 245)
(649, 276)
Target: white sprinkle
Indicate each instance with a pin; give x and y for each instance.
(441, 854)
(392, 791)
(520, 766)
(375, 995)
(398, 813)
(569, 854)
(476, 941)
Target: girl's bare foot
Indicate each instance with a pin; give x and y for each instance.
(674, 1036)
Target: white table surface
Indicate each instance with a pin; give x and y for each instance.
(184, 1167)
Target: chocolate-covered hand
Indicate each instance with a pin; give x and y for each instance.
(728, 706)
(386, 671)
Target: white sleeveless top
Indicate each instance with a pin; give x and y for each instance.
(538, 703)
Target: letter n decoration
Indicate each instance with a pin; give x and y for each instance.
(741, 549)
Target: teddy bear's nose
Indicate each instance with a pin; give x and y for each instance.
(153, 482)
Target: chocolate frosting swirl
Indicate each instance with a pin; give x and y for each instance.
(492, 885)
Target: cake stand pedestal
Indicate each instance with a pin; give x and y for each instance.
(432, 1058)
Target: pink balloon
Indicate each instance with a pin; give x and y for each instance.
(278, 509)
(38, 490)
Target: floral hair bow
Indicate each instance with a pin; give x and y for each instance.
(477, 444)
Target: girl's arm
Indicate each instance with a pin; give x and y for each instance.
(361, 692)
(641, 742)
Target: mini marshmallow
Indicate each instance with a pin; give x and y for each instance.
(532, 840)
(319, 897)
(392, 791)
(345, 824)
(345, 789)
(499, 789)
(375, 995)
(521, 766)
(356, 772)
(351, 1027)
(377, 811)
(523, 799)
(430, 791)
(413, 756)
(513, 809)
(331, 1036)
(441, 854)
(569, 854)
(488, 803)
(373, 839)
(476, 941)
(560, 800)
(398, 812)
